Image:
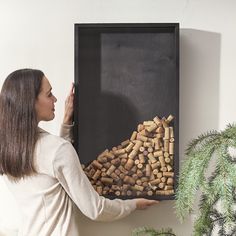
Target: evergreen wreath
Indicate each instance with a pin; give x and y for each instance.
(217, 190)
(148, 231)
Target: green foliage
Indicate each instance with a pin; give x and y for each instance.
(148, 231)
(218, 189)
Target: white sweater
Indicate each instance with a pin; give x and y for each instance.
(46, 199)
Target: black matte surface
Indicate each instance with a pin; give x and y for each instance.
(123, 75)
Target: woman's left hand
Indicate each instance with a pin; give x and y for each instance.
(142, 203)
(69, 107)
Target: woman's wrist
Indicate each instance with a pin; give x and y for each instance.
(67, 121)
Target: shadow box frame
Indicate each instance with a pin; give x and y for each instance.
(109, 102)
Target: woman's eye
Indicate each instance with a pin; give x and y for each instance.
(50, 94)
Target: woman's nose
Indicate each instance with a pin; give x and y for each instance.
(55, 99)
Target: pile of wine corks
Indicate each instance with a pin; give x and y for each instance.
(139, 166)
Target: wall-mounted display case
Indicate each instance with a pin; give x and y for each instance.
(127, 74)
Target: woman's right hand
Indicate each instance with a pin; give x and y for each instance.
(142, 203)
(69, 109)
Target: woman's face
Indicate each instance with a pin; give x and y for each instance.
(44, 104)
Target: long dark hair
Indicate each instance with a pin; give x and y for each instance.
(18, 122)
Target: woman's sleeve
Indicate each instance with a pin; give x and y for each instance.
(68, 171)
(66, 132)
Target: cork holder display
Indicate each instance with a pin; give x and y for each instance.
(140, 166)
(126, 113)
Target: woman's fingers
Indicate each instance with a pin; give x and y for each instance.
(69, 108)
(142, 203)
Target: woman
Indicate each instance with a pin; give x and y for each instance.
(42, 170)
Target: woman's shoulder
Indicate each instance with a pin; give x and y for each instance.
(48, 139)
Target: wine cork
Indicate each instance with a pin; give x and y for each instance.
(169, 118)
(97, 164)
(117, 171)
(122, 175)
(117, 193)
(163, 179)
(139, 173)
(160, 130)
(140, 127)
(129, 164)
(167, 133)
(129, 147)
(169, 168)
(157, 120)
(102, 159)
(152, 158)
(148, 123)
(122, 169)
(106, 180)
(155, 182)
(111, 169)
(166, 154)
(155, 165)
(137, 145)
(99, 190)
(158, 153)
(161, 185)
(97, 174)
(141, 158)
(129, 193)
(125, 143)
(155, 172)
(119, 152)
(171, 148)
(133, 154)
(124, 155)
(170, 181)
(138, 182)
(167, 160)
(147, 144)
(107, 165)
(148, 170)
(164, 192)
(168, 187)
(142, 138)
(168, 174)
(138, 187)
(116, 161)
(133, 136)
(162, 161)
(152, 127)
(110, 155)
(129, 180)
(166, 145)
(141, 149)
(140, 166)
(164, 123)
(114, 176)
(171, 132)
(134, 169)
(163, 169)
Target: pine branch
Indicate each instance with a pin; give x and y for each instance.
(204, 224)
(201, 141)
(190, 180)
(220, 187)
(152, 232)
(226, 182)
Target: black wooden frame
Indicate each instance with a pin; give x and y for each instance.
(86, 30)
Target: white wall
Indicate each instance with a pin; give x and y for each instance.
(40, 34)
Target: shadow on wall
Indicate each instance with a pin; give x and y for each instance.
(199, 101)
(199, 83)
(199, 87)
